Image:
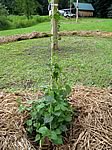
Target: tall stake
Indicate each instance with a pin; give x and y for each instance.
(70, 8)
(54, 23)
(77, 11)
(54, 31)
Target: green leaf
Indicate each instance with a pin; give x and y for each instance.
(19, 101)
(57, 107)
(58, 140)
(29, 122)
(44, 131)
(30, 101)
(40, 106)
(28, 108)
(61, 119)
(30, 129)
(58, 113)
(37, 138)
(36, 125)
(58, 131)
(49, 99)
(64, 108)
(48, 119)
(22, 108)
(61, 92)
(68, 118)
(34, 114)
(50, 109)
(53, 135)
(68, 89)
(63, 128)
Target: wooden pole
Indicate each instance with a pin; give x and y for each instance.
(77, 11)
(70, 8)
(54, 23)
(54, 32)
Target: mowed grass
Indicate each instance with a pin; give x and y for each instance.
(93, 24)
(87, 61)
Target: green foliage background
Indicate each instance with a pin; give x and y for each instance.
(15, 7)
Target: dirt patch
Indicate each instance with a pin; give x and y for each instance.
(33, 35)
(91, 129)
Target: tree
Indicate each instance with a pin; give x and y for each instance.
(9, 4)
(109, 14)
(63, 4)
(101, 7)
(43, 9)
(3, 10)
(27, 7)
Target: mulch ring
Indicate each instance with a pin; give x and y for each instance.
(91, 130)
(20, 37)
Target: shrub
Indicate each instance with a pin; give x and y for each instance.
(4, 23)
(23, 22)
(14, 22)
(40, 19)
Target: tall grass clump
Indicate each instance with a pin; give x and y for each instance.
(22, 22)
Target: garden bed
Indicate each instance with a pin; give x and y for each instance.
(90, 130)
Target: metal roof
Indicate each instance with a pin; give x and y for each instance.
(84, 6)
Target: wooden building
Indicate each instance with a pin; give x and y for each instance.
(85, 9)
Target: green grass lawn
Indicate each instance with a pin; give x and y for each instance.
(85, 61)
(66, 25)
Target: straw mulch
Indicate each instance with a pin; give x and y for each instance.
(94, 124)
(12, 132)
(33, 35)
(20, 37)
(90, 130)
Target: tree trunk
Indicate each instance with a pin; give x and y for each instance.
(54, 23)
